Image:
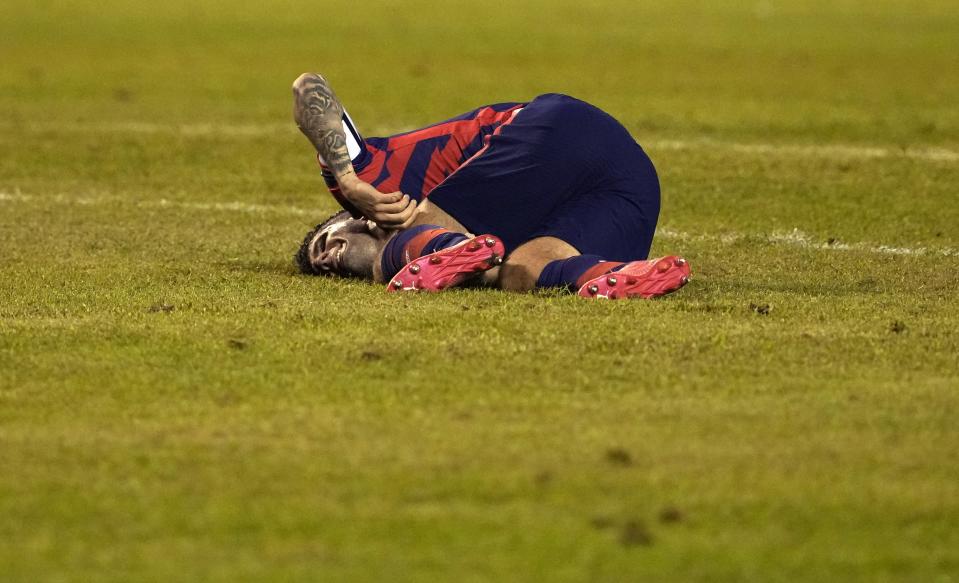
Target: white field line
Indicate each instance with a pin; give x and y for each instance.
(793, 238)
(235, 206)
(827, 151)
(189, 130)
(145, 127)
(830, 151)
(797, 238)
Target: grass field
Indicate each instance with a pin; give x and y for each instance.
(176, 403)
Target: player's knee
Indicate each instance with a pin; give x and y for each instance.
(522, 268)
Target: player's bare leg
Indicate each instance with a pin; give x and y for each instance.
(551, 262)
(430, 214)
(432, 257)
(449, 266)
(426, 214)
(522, 268)
(482, 270)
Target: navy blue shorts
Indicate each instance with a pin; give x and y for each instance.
(561, 168)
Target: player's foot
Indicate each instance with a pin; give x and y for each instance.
(644, 279)
(449, 267)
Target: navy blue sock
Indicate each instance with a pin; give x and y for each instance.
(442, 241)
(415, 242)
(573, 272)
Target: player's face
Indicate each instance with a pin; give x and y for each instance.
(347, 248)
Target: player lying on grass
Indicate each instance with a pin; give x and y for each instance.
(566, 196)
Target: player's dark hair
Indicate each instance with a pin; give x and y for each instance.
(302, 257)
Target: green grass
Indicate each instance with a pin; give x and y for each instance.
(176, 403)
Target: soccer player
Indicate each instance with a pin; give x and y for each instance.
(565, 196)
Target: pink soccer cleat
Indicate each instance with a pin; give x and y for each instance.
(449, 267)
(645, 279)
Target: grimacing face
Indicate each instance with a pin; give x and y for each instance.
(347, 247)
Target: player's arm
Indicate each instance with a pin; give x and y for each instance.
(318, 114)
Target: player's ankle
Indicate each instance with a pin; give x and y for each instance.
(570, 273)
(413, 243)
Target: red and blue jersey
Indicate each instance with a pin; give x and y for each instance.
(553, 167)
(416, 162)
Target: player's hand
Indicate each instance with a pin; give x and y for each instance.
(393, 210)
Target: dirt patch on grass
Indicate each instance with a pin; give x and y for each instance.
(635, 534)
(897, 327)
(602, 522)
(618, 456)
(543, 479)
(761, 309)
(670, 515)
(237, 344)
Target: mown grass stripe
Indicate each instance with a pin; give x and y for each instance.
(848, 151)
(794, 237)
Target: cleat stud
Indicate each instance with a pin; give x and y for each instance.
(684, 280)
(414, 269)
(611, 280)
(680, 261)
(435, 260)
(397, 284)
(489, 242)
(496, 260)
(593, 289)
